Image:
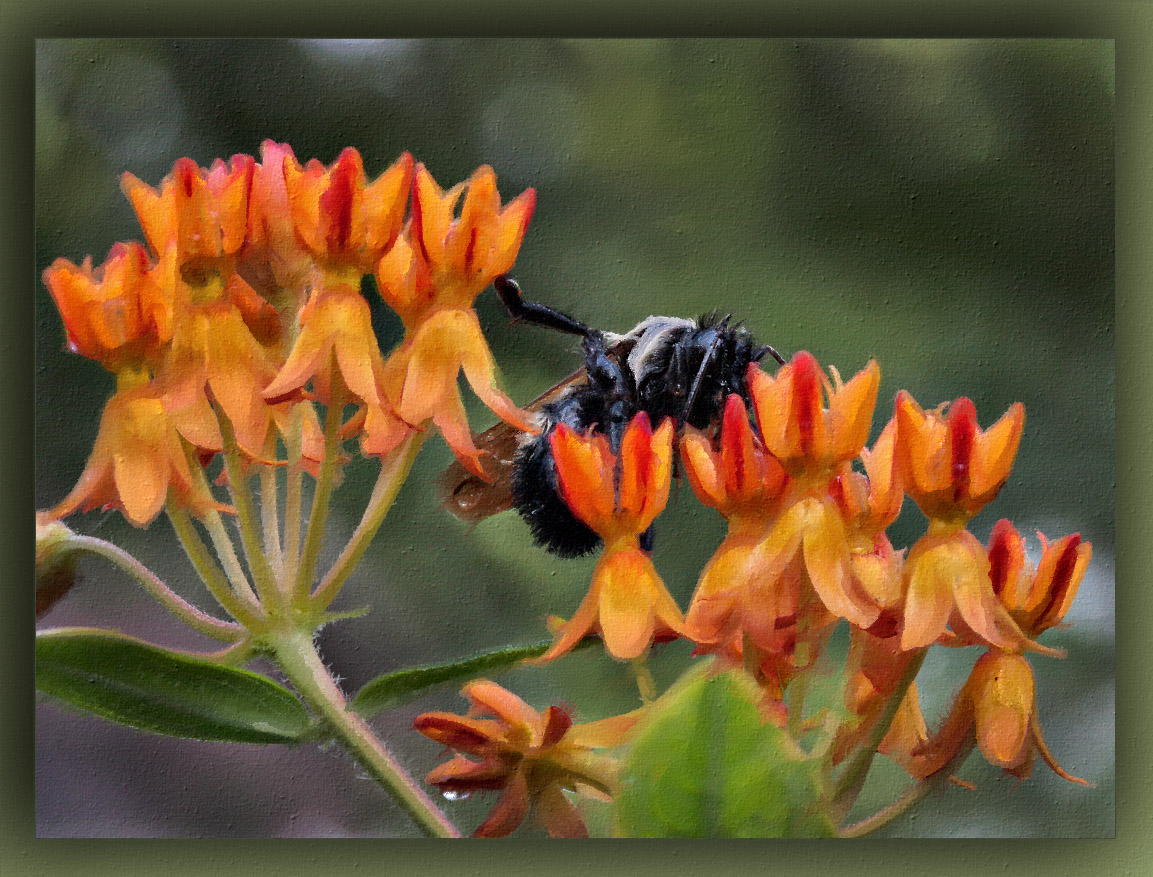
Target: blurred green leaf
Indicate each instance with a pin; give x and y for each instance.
(706, 766)
(393, 689)
(133, 683)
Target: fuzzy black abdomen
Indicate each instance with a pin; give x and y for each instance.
(537, 499)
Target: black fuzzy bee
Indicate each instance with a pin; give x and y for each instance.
(665, 366)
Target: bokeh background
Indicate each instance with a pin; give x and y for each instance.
(945, 206)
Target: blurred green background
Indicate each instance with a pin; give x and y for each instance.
(945, 206)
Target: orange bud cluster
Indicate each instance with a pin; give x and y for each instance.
(246, 305)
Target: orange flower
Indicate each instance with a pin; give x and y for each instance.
(740, 480)
(627, 602)
(1036, 599)
(214, 352)
(808, 438)
(116, 314)
(271, 236)
(431, 277)
(999, 703)
(869, 503)
(346, 222)
(464, 254)
(202, 213)
(336, 342)
(742, 588)
(949, 466)
(947, 579)
(533, 756)
(138, 459)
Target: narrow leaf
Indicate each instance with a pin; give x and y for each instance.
(400, 686)
(134, 683)
(705, 765)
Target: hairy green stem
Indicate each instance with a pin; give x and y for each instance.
(302, 665)
(195, 618)
(393, 473)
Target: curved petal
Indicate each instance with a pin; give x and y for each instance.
(510, 810)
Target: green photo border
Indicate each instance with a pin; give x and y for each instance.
(1129, 23)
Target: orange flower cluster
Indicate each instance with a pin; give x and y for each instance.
(807, 547)
(245, 308)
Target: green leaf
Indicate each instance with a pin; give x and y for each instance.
(400, 686)
(704, 765)
(133, 683)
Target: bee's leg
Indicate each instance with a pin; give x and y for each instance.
(768, 348)
(706, 361)
(537, 314)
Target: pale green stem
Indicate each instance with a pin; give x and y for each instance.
(195, 618)
(246, 517)
(294, 493)
(302, 665)
(393, 473)
(221, 541)
(909, 798)
(269, 508)
(853, 777)
(238, 606)
(322, 495)
(646, 685)
(226, 552)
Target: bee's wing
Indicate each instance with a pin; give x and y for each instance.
(473, 499)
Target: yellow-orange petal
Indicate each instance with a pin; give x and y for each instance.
(1058, 577)
(634, 604)
(481, 373)
(885, 493)
(451, 422)
(995, 450)
(645, 470)
(514, 220)
(488, 697)
(1003, 699)
(584, 466)
(336, 332)
(850, 413)
(385, 200)
(702, 467)
(928, 601)
(432, 215)
(826, 554)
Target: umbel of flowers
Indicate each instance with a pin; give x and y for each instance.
(241, 345)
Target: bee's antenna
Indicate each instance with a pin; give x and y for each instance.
(768, 348)
(537, 314)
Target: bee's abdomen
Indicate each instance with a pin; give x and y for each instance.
(535, 495)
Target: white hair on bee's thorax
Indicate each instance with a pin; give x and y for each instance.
(649, 337)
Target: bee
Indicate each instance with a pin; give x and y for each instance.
(664, 366)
